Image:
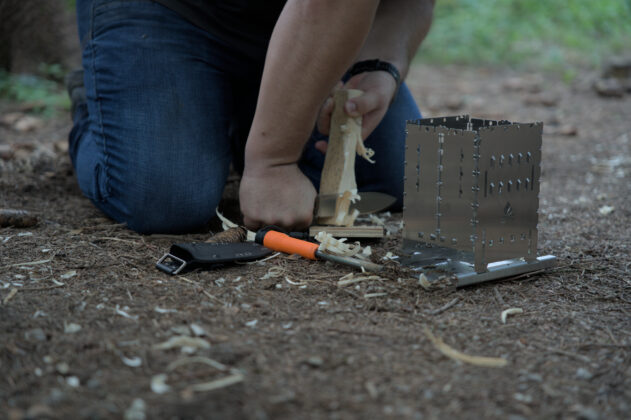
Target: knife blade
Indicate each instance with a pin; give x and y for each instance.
(369, 202)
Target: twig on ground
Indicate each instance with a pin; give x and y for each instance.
(213, 297)
(197, 359)
(35, 289)
(235, 378)
(570, 354)
(274, 255)
(27, 263)
(351, 279)
(111, 238)
(445, 307)
(456, 355)
(374, 295)
(622, 346)
(202, 289)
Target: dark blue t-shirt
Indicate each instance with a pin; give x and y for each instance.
(243, 25)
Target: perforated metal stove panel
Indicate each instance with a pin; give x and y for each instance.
(471, 188)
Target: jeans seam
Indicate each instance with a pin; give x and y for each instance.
(105, 159)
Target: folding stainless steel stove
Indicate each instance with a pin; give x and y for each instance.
(471, 198)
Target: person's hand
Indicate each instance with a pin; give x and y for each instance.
(379, 89)
(278, 195)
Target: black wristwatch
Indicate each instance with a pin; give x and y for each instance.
(375, 65)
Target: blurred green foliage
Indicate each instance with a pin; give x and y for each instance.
(545, 34)
(44, 92)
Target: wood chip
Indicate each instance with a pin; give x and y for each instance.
(456, 355)
(424, 282)
(132, 362)
(124, 313)
(8, 297)
(510, 311)
(159, 385)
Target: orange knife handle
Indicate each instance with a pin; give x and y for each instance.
(280, 242)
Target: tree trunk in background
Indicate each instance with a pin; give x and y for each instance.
(34, 32)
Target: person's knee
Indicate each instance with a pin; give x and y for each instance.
(162, 205)
(161, 212)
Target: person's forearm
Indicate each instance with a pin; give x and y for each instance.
(312, 45)
(399, 28)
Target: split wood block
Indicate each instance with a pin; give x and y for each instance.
(338, 173)
(349, 231)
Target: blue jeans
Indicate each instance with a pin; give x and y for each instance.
(168, 109)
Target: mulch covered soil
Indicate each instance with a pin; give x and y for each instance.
(90, 329)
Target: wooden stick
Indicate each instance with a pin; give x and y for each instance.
(338, 173)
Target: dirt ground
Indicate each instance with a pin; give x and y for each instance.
(83, 309)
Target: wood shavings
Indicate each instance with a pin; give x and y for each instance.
(196, 359)
(71, 328)
(606, 210)
(182, 341)
(351, 279)
(366, 251)
(389, 256)
(335, 246)
(125, 314)
(343, 215)
(159, 385)
(235, 378)
(198, 330)
(374, 295)
(457, 355)
(377, 220)
(136, 411)
(295, 283)
(164, 310)
(73, 381)
(132, 362)
(422, 280)
(68, 274)
(273, 272)
(227, 224)
(365, 152)
(57, 282)
(8, 297)
(510, 311)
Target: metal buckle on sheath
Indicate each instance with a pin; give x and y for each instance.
(170, 268)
